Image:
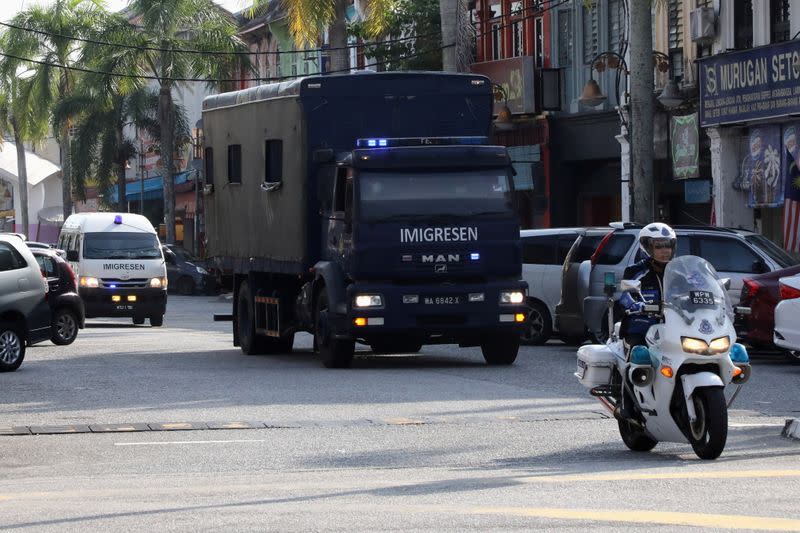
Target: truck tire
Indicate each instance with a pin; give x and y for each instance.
(249, 341)
(12, 347)
(157, 321)
(502, 350)
(335, 353)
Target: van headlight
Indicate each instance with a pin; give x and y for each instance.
(368, 300)
(512, 297)
(158, 283)
(89, 282)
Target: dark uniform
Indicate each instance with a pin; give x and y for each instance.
(634, 326)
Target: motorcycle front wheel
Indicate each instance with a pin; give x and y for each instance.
(709, 432)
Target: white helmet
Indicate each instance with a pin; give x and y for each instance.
(657, 232)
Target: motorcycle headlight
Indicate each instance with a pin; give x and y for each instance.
(368, 300)
(158, 283)
(512, 297)
(720, 345)
(692, 345)
(89, 282)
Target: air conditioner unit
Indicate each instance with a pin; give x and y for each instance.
(702, 22)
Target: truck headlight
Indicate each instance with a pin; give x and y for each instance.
(158, 283)
(512, 297)
(202, 270)
(368, 300)
(89, 282)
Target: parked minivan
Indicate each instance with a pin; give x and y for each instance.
(120, 268)
(543, 254)
(734, 253)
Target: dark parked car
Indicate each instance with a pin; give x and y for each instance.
(186, 273)
(68, 314)
(24, 313)
(761, 294)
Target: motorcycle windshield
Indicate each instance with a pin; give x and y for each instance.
(691, 287)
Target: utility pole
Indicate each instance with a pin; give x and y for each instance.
(642, 109)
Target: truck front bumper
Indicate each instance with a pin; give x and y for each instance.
(434, 314)
(140, 302)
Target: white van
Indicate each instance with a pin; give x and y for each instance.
(118, 261)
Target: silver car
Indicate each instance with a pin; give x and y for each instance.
(24, 311)
(734, 253)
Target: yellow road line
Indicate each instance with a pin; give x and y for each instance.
(716, 521)
(644, 476)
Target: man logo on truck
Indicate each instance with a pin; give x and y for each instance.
(456, 234)
(441, 258)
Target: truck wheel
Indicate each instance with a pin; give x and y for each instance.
(157, 321)
(12, 347)
(65, 327)
(502, 350)
(138, 320)
(538, 326)
(250, 342)
(709, 433)
(335, 353)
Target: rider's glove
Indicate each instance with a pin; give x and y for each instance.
(636, 308)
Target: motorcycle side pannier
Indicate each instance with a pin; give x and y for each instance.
(595, 364)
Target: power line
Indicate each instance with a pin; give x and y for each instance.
(267, 79)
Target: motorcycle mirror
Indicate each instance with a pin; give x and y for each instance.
(725, 283)
(630, 285)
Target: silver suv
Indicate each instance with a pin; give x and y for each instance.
(24, 311)
(734, 253)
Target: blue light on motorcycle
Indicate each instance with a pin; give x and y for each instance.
(640, 355)
(739, 354)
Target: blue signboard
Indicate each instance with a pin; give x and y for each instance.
(697, 191)
(754, 84)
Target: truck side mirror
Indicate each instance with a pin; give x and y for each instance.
(72, 256)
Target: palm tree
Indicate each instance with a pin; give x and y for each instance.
(40, 35)
(102, 112)
(24, 122)
(164, 28)
(307, 19)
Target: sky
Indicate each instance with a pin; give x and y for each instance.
(114, 5)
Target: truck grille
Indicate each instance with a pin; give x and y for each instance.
(109, 283)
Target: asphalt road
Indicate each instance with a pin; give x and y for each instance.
(435, 441)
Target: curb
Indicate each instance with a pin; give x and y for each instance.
(791, 430)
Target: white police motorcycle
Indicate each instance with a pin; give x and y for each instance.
(676, 383)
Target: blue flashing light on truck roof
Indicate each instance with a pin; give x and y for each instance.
(422, 141)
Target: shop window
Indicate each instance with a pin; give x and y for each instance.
(538, 28)
(675, 38)
(616, 25)
(518, 29)
(565, 38)
(496, 16)
(234, 163)
(704, 50)
(742, 24)
(590, 34)
(779, 16)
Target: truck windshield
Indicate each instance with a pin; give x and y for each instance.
(396, 195)
(121, 245)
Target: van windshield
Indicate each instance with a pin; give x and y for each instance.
(121, 245)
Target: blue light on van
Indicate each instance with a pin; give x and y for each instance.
(421, 141)
(118, 219)
(372, 143)
(475, 256)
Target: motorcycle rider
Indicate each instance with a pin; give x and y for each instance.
(658, 241)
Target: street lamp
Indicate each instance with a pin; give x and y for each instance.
(671, 96)
(592, 95)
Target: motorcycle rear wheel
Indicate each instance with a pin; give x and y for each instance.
(709, 433)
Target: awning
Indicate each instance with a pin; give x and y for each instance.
(39, 169)
(153, 188)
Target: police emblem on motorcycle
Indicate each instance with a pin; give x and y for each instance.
(705, 327)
